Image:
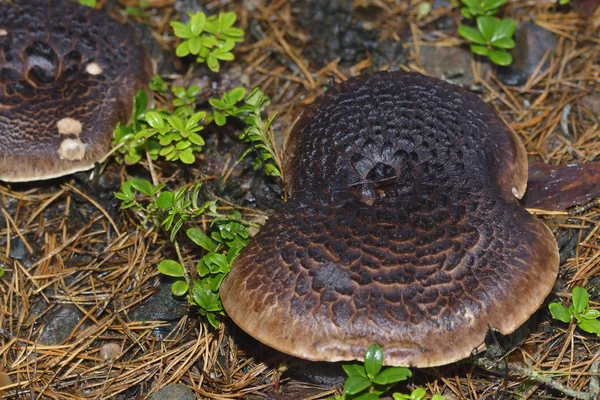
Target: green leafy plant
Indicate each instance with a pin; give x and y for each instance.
(491, 38)
(158, 85)
(137, 11)
(172, 135)
(417, 394)
(171, 210)
(476, 8)
(257, 130)
(367, 381)
(210, 39)
(579, 311)
(175, 135)
(128, 146)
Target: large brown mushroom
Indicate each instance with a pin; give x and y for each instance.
(68, 73)
(402, 229)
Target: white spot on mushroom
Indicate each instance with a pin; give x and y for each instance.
(93, 69)
(3, 32)
(71, 150)
(515, 192)
(69, 126)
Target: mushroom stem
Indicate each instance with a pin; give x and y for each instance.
(540, 377)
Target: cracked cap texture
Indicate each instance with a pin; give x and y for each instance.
(402, 229)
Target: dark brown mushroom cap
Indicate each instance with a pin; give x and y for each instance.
(402, 229)
(68, 73)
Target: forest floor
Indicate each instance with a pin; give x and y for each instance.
(85, 313)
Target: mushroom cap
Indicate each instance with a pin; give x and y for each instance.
(68, 74)
(402, 229)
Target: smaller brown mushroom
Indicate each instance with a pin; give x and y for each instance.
(402, 229)
(68, 74)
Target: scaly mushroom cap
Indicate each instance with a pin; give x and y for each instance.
(402, 229)
(68, 73)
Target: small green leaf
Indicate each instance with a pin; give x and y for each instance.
(466, 13)
(171, 268)
(165, 200)
(471, 34)
(492, 4)
(155, 120)
(88, 3)
(373, 360)
(176, 122)
(181, 30)
(580, 300)
(227, 19)
(504, 29)
(179, 288)
(481, 50)
(201, 239)
(212, 319)
(220, 118)
(504, 43)
(392, 375)
(183, 49)
(271, 170)
(212, 62)
(437, 397)
(355, 370)
(501, 57)
(559, 312)
(487, 27)
(187, 156)
(194, 45)
(142, 185)
(590, 326)
(197, 22)
(356, 384)
(236, 95)
(418, 394)
(367, 396)
(591, 314)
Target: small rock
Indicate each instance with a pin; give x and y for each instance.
(452, 64)
(390, 52)
(174, 392)
(532, 42)
(109, 351)
(59, 323)
(161, 306)
(592, 103)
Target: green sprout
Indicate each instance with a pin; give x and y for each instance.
(369, 380)
(171, 210)
(417, 394)
(491, 38)
(137, 11)
(476, 8)
(88, 3)
(579, 311)
(158, 85)
(257, 130)
(210, 39)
